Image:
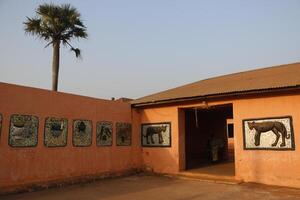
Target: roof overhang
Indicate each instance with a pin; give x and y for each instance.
(220, 95)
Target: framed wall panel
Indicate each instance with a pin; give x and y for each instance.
(23, 131)
(82, 133)
(56, 131)
(156, 134)
(104, 133)
(123, 134)
(274, 133)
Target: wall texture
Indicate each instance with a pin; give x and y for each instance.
(28, 165)
(162, 159)
(21, 166)
(267, 166)
(262, 166)
(168, 159)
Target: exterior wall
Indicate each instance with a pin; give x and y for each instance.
(231, 149)
(162, 159)
(168, 159)
(230, 144)
(21, 166)
(267, 166)
(29, 165)
(262, 166)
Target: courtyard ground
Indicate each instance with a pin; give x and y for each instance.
(154, 187)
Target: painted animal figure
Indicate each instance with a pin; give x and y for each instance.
(276, 127)
(124, 134)
(81, 127)
(56, 128)
(22, 130)
(105, 133)
(152, 130)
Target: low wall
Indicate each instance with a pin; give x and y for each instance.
(28, 165)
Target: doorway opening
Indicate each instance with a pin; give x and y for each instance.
(209, 145)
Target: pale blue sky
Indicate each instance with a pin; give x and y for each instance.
(138, 47)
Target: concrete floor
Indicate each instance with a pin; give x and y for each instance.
(220, 171)
(159, 187)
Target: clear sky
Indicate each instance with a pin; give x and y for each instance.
(138, 47)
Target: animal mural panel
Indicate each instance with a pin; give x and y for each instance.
(269, 133)
(104, 133)
(82, 133)
(123, 134)
(156, 134)
(23, 131)
(56, 130)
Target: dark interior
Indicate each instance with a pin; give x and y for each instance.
(201, 125)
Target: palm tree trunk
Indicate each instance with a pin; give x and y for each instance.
(55, 65)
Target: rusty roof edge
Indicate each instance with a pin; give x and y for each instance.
(226, 94)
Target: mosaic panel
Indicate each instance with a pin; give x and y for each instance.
(104, 133)
(56, 130)
(269, 133)
(82, 133)
(123, 133)
(156, 134)
(23, 131)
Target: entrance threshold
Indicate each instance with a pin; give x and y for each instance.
(220, 172)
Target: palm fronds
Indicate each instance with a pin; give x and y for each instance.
(56, 23)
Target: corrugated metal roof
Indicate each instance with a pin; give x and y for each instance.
(281, 76)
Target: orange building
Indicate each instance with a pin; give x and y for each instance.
(224, 108)
(244, 126)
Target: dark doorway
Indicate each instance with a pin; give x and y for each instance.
(208, 136)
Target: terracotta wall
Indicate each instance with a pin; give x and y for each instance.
(263, 166)
(162, 159)
(39, 164)
(168, 159)
(230, 142)
(231, 149)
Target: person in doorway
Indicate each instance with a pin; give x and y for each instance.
(215, 144)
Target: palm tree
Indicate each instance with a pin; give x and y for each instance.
(56, 24)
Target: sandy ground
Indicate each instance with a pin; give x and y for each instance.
(159, 187)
